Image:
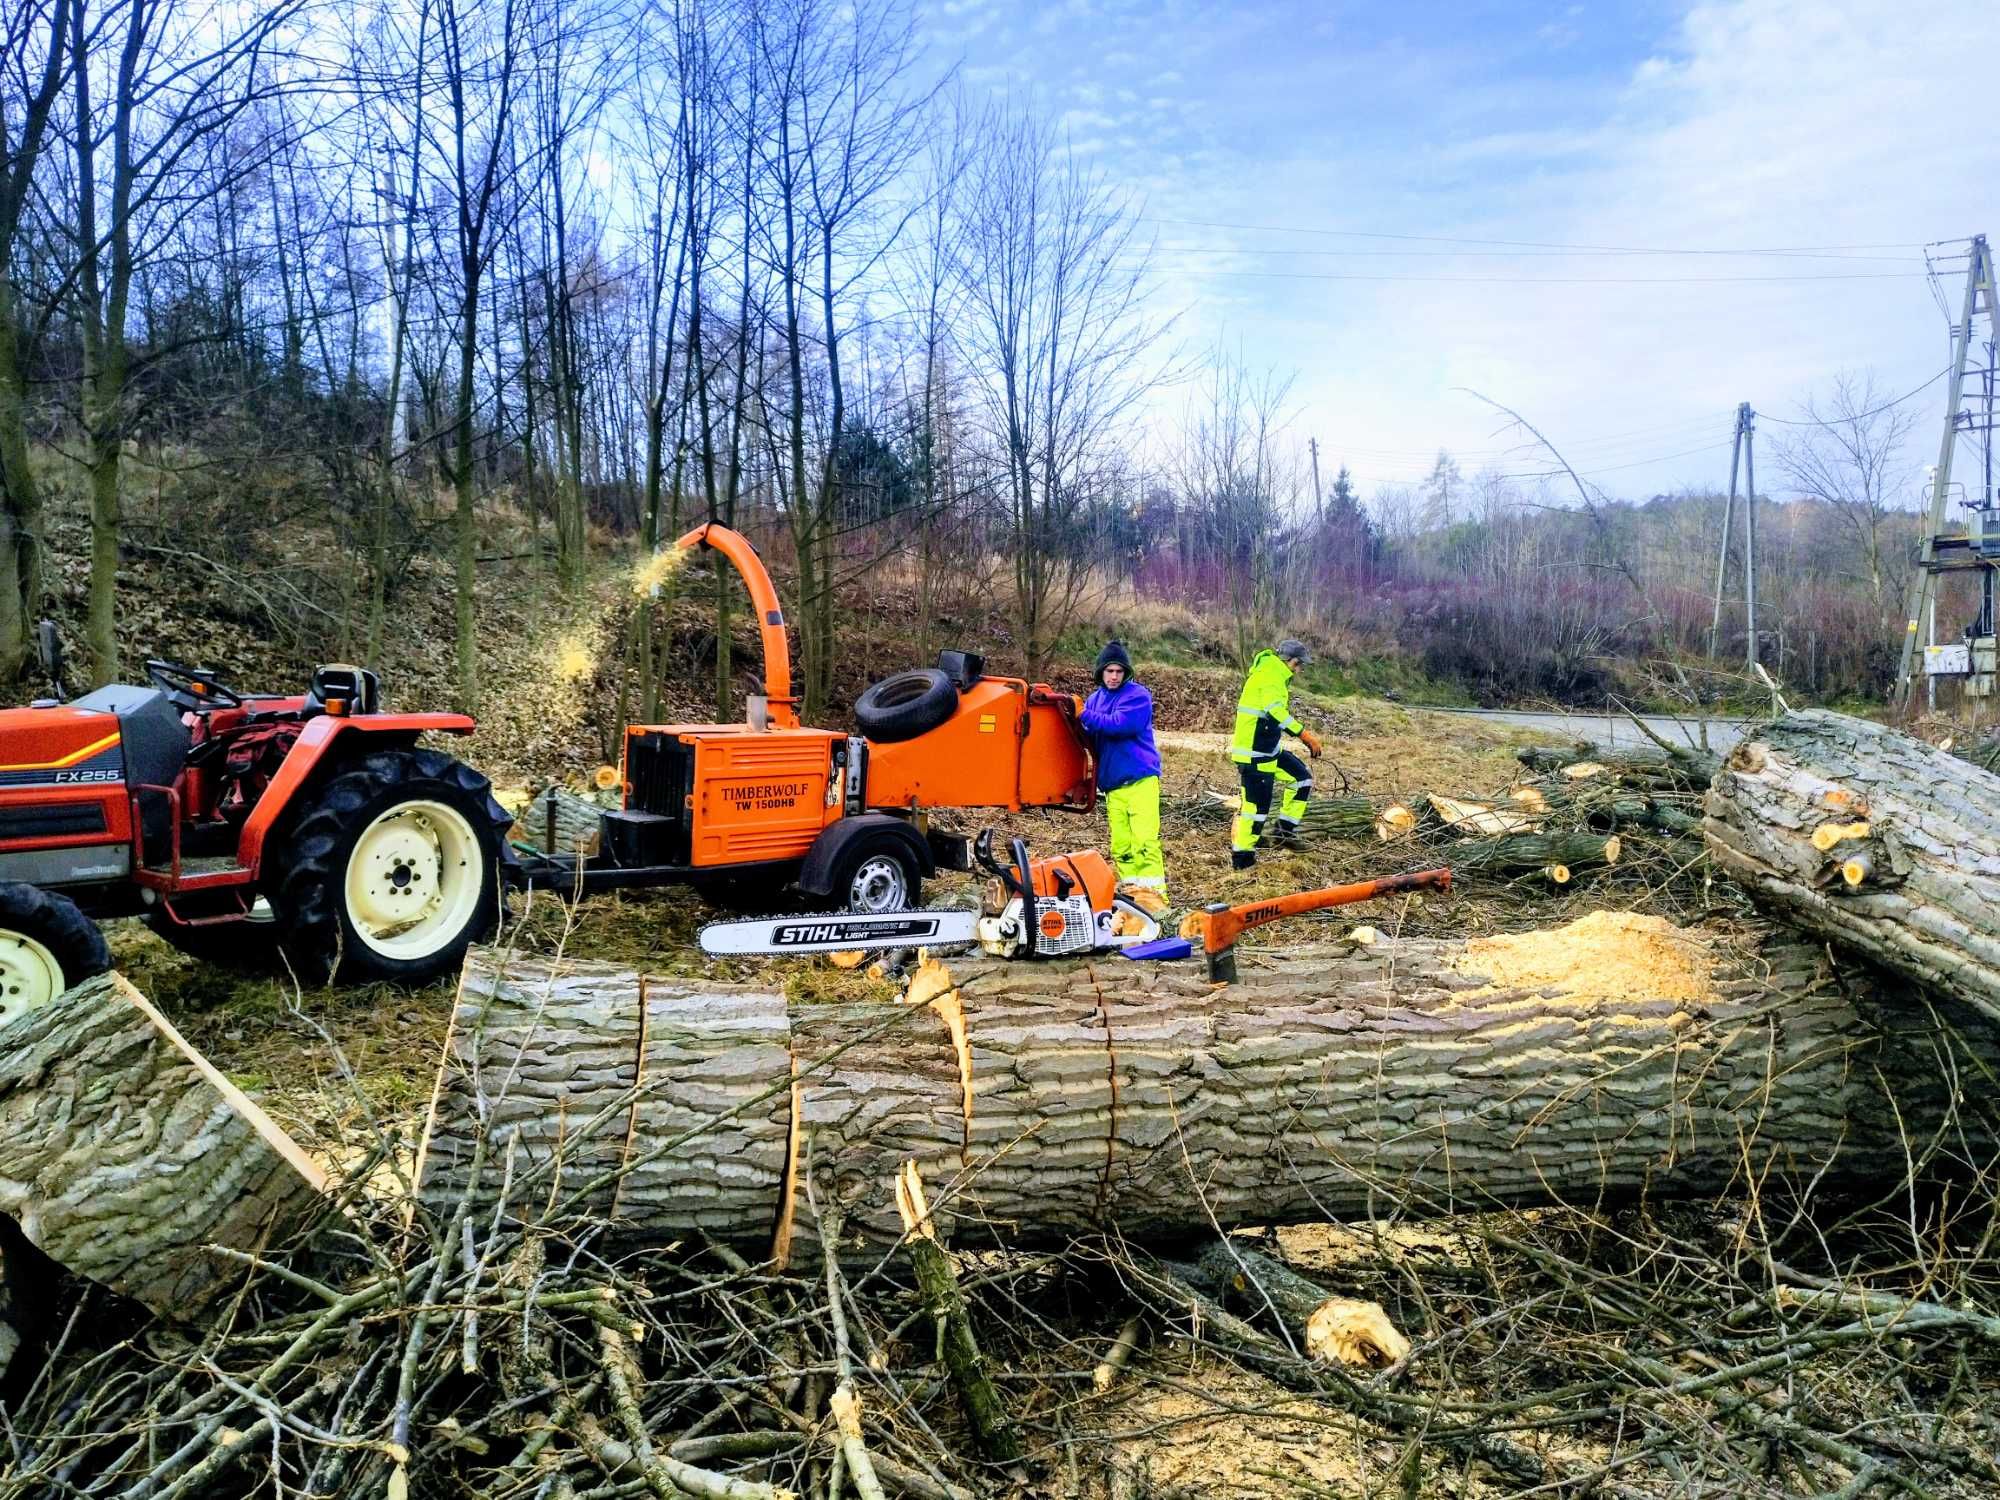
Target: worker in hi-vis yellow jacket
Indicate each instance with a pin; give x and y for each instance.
(1263, 717)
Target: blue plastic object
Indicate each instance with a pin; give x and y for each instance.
(1173, 947)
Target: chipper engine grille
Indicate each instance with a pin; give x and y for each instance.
(659, 772)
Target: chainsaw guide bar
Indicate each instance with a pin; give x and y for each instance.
(839, 932)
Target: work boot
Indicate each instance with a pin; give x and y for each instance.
(1150, 899)
(1242, 859)
(1279, 837)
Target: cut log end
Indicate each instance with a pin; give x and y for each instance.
(1558, 874)
(1346, 1331)
(1396, 821)
(137, 1209)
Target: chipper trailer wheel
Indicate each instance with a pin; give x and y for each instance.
(877, 876)
(46, 946)
(393, 870)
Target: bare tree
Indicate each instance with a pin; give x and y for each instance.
(171, 95)
(1847, 452)
(840, 133)
(399, 267)
(31, 82)
(1231, 474)
(475, 63)
(1055, 273)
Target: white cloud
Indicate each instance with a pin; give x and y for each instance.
(1770, 123)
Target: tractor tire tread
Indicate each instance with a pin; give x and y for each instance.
(56, 922)
(304, 892)
(905, 705)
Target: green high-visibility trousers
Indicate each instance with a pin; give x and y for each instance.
(1285, 774)
(1134, 811)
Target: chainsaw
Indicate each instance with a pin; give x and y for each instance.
(1032, 908)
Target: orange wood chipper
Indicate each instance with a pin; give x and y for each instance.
(836, 815)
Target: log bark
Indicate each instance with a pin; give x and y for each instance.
(124, 1154)
(1635, 763)
(1918, 827)
(1043, 1101)
(1513, 853)
(1605, 806)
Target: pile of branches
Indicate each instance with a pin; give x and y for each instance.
(1627, 815)
(1770, 1347)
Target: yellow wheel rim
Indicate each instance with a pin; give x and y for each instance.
(413, 880)
(30, 976)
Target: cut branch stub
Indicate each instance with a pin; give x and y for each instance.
(1913, 881)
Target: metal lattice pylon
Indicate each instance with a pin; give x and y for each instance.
(1980, 283)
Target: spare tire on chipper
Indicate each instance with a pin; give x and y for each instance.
(906, 705)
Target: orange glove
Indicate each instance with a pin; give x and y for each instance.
(1311, 742)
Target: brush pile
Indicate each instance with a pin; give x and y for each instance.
(1632, 815)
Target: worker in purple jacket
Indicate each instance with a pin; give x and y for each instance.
(1119, 720)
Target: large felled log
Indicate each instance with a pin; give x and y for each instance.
(1872, 838)
(1045, 1100)
(124, 1154)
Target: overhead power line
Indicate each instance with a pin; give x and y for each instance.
(1448, 239)
(1541, 280)
(1862, 416)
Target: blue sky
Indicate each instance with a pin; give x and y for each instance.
(1281, 149)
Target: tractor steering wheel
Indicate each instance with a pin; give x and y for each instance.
(191, 689)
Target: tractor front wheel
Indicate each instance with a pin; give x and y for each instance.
(46, 946)
(392, 871)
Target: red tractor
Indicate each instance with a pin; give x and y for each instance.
(238, 824)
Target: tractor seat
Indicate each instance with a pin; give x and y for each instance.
(155, 741)
(359, 689)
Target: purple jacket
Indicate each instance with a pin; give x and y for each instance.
(1120, 726)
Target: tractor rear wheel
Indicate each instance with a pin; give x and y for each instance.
(46, 946)
(392, 870)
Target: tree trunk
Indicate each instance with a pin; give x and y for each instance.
(1905, 867)
(1615, 1057)
(20, 506)
(124, 1155)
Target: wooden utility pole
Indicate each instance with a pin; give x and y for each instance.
(1319, 505)
(1747, 429)
(1741, 458)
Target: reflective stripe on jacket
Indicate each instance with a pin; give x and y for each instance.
(1264, 711)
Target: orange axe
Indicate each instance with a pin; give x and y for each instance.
(1219, 926)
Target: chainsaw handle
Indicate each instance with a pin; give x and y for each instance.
(982, 855)
(1024, 887)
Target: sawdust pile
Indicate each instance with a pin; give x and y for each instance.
(1607, 955)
